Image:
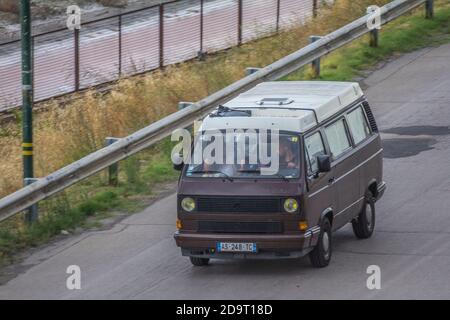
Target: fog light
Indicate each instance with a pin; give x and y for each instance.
(188, 204)
(290, 205)
(303, 225)
(179, 224)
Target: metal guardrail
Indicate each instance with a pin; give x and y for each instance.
(148, 136)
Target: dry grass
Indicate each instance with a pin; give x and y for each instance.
(63, 135)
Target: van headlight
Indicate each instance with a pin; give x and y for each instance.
(188, 204)
(290, 205)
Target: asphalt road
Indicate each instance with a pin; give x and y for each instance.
(138, 259)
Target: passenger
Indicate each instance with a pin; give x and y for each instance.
(288, 158)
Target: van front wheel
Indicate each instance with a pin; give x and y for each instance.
(364, 224)
(198, 262)
(321, 255)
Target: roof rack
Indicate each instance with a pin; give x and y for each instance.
(275, 101)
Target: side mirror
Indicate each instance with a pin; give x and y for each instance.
(324, 163)
(177, 160)
(178, 167)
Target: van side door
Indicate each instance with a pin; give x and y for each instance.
(346, 170)
(367, 147)
(320, 195)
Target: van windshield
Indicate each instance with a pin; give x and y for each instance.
(245, 154)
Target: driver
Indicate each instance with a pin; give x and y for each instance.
(288, 158)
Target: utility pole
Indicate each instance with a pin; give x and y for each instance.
(27, 94)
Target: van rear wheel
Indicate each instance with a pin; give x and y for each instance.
(321, 255)
(364, 224)
(198, 262)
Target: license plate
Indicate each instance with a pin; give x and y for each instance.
(236, 247)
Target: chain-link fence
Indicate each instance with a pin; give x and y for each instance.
(104, 50)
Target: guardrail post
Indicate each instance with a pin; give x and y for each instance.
(316, 63)
(429, 9)
(373, 34)
(113, 170)
(32, 214)
(183, 104)
(251, 70)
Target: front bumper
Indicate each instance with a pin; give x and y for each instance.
(270, 246)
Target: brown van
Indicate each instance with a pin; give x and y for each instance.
(301, 160)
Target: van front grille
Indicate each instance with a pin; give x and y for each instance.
(240, 227)
(238, 205)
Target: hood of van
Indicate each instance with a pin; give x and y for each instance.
(239, 187)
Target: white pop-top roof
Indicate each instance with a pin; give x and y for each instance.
(287, 105)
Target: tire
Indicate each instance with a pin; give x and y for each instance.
(199, 262)
(364, 224)
(321, 255)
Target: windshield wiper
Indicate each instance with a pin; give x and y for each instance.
(212, 172)
(282, 176)
(259, 171)
(250, 171)
(223, 111)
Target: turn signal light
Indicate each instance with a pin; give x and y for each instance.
(303, 225)
(179, 224)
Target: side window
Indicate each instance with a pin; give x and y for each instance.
(314, 147)
(358, 125)
(337, 138)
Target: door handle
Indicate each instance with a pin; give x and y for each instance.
(332, 180)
